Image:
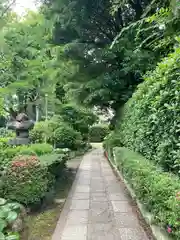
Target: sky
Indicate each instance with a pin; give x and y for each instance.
(22, 5)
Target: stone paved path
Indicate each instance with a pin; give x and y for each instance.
(97, 207)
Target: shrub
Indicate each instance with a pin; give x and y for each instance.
(153, 187)
(4, 142)
(39, 132)
(44, 130)
(62, 151)
(41, 148)
(98, 132)
(5, 133)
(78, 117)
(150, 124)
(26, 180)
(110, 141)
(6, 155)
(67, 137)
(27, 151)
(54, 162)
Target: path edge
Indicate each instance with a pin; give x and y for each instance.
(65, 209)
(158, 233)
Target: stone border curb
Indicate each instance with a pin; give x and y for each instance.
(157, 232)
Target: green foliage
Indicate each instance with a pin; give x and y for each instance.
(8, 214)
(62, 151)
(98, 132)
(112, 140)
(28, 66)
(4, 133)
(41, 149)
(154, 188)
(34, 149)
(39, 132)
(107, 77)
(26, 180)
(66, 137)
(78, 117)
(150, 124)
(44, 130)
(26, 151)
(54, 162)
(4, 142)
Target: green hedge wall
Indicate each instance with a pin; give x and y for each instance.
(156, 189)
(98, 132)
(151, 119)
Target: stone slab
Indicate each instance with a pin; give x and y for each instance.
(98, 207)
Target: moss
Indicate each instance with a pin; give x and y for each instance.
(41, 226)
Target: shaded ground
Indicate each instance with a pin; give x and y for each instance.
(41, 225)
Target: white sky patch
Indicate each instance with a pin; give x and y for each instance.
(22, 6)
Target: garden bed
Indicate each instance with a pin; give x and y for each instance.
(41, 224)
(154, 191)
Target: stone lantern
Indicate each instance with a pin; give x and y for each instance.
(22, 124)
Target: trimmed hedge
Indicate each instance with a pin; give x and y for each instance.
(156, 189)
(151, 121)
(55, 163)
(7, 154)
(98, 132)
(26, 180)
(66, 137)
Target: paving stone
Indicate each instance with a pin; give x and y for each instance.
(84, 182)
(74, 232)
(80, 216)
(102, 232)
(82, 189)
(100, 212)
(126, 220)
(81, 196)
(98, 188)
(80, 205)
(121, 206)
(97, 179)
(98, 206)
(101, 216)
(115, 188)
(132, 234)
(118, 196)
(98, 194)
(99, 198)
(97, 185)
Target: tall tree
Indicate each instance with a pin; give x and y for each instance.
(107, 77)
(29, 64)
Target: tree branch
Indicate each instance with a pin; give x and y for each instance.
(7, 8)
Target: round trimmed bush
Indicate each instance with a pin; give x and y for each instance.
(39, 132)
(78, 117)
(98, 132)
(26, 180)
(67, 137)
